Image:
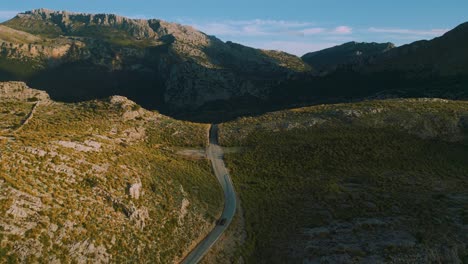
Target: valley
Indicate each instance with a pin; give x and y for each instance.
(320, 183)
(215, 155)
(135, 140)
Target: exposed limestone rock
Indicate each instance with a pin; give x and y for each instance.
(21, 51)
(139, 216)
(121, 101)
(135, 190)
(24, 205)
(20, 91)
(137, 27)
(85, 252)
(88, 145)
(183, 210)
(31, 247)
(133, 134)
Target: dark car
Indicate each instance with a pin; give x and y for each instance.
(221, 221)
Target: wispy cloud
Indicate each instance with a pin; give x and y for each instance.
(313, 31)
(7, 14)
(431, 32)
(343, 30)
(260, 27)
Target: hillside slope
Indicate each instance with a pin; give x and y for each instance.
(371, 182)
(99, 181)
(446, 55)
(352, 52)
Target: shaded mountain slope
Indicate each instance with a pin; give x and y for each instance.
(158, 64)
(351, 52)
(435, 68)
(445, 55)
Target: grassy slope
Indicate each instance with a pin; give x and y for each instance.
(85, 194)
(35, 27)
(319, 166)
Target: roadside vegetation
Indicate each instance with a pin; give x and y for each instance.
(70, 184)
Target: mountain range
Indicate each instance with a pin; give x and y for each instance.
(186, 73)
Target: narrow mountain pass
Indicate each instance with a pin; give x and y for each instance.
(215, 155)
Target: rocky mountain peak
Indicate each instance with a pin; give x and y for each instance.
(71, 23)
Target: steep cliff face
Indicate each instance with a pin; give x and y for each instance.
(156, 63)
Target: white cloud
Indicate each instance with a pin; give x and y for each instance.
(431, 32)
(260, 27)
(269, 22)
(7, 14)
(343, 30)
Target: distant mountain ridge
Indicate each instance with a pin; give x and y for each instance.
(427, 68)
(350, 52)
(184, 72)
(445, 55)
(155, 63)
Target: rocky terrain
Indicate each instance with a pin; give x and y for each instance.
(187, 74)
(99, 181)
(370, 182)
(151, 61)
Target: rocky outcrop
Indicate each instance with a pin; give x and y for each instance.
(20, 91)
(135, 190)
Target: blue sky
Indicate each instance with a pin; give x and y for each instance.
(294, 26)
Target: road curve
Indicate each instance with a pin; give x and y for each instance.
(215, 155)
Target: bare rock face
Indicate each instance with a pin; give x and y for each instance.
(20, 91)
(183, 210)
(121, 101)
(65, 20)
(82, 251)
(135, 190)
(139, 216)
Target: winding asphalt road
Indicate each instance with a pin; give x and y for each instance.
(215, 154)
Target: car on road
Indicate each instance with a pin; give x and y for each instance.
(221, 221)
